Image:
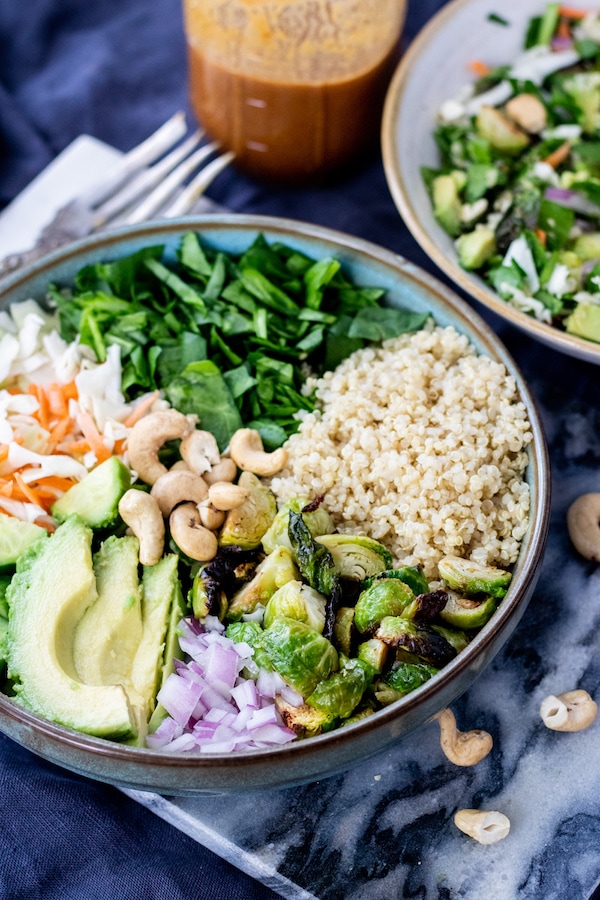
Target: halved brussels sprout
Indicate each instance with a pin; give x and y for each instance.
(463, 612)
(375, 653)
(356, 556)
(343, 629)
(305, 720)
(468, 577)
(300, 655)
(453, 636)
(385, 597)
(422, 640)
(341, 693)
(295, 600)
(426, 606)
(208, 597)
(273, 572)
(245, 525)
(318, 521)
(218, 579)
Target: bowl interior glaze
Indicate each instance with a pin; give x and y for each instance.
(326, 754)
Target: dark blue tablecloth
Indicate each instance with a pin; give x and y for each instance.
(116, 69)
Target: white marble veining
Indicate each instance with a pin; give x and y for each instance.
(385, 829)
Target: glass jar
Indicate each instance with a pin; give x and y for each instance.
(294, 87)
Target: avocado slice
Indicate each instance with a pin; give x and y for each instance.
(162, 604)
(95, 498)
(585, 321)
(475, 247)
(53, 587)
(16, 537)
(587, 246)
(167, 574)
(446, 203)
(107, 637)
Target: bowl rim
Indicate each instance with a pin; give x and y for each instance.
(397, 182)
(510, 609)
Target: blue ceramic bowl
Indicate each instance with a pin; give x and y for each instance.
(326, 754)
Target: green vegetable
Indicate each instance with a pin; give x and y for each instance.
(295, 600)
(384, 597)
(468, 577)
(222, 334)
(301, 655)
(95, 498)
(275, 571)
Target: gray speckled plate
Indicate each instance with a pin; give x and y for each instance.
(433, 70)
(329, 753)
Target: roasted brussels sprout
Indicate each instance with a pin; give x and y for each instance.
(405, 677)
(273, 572)
(340, 694)
(305, 720)
(343, 629)
(385, 597)
(426, 606)
(318, 521)
(300, 655)
(464, 612)
(295, 600)
(313, 559)
(422, 640)
(356, 556)
(413, 576)
(454, 636)
(246, 524)
(375, 653)
(468, 577)
(215, 581)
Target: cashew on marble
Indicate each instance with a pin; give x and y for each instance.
(463, 748)
(485, 826)
(583, 525)
(571, 711)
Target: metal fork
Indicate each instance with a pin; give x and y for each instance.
(146, 182)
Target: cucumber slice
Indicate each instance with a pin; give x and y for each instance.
(16, 537)
(95, 498)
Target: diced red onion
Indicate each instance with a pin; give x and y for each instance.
(211, 707)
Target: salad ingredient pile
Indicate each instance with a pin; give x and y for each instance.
(518, 188)
(164, 593)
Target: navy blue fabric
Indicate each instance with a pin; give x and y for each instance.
(116, 69)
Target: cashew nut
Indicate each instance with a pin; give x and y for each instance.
(463, 748)
(141, 512)
(190, 535)
(147, 437)
(485, 826)
(246, 449)
(210, 517)
(200, 451)
(527, 111)
(224, 495)
(583, 524)
(175, 487)
(571, 711)
(225, 470)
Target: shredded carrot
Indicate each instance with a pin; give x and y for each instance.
(479, 68)
(54, 483)
(559, 155)
(93, 436)
(58, 431)
(571, 12)
(541, 236)
(45, 523)
(140, 409)
(6, 488)
(25, 489)
(80, 446)
(57, 401)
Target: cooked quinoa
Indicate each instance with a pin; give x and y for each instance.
(421, 444)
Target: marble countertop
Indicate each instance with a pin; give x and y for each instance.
(385, 828)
